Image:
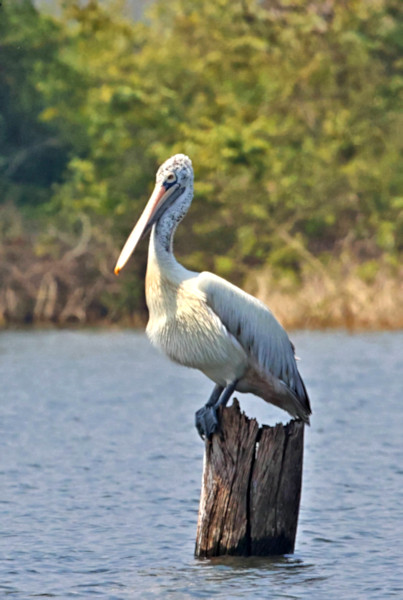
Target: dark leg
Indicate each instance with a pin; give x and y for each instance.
(226, 395)
(206, 417)
(215, 395)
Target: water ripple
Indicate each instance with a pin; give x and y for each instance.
(100, 470)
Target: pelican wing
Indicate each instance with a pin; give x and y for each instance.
(256, 329)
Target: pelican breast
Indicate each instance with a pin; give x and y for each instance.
(183, 326)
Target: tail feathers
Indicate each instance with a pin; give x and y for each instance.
(297, 409)
(303, 398)
(275, 391)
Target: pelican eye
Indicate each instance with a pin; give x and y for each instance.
(171, 178)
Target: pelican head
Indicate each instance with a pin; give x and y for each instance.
(173, 188)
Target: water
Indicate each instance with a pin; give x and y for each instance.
(100, 470)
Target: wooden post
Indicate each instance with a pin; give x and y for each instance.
(251, 488)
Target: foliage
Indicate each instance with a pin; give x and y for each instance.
(290, 113)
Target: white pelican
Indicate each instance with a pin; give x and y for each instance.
(200, 320)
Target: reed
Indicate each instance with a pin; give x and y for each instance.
(69, 281)
(342, 298)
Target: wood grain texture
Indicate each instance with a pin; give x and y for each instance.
(251, 488)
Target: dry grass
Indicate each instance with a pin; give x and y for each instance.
(71, 281)
(340, 299)
(62, 285)
(57, 292)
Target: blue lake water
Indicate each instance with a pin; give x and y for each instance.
(100, 472)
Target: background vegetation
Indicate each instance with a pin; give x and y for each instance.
(290, 111)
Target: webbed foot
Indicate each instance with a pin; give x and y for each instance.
(206, 421)
(206, 417)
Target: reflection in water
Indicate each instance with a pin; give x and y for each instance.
(282, 570)
(100, 471)
(236, 575)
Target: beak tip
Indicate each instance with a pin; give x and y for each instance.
(117, 270)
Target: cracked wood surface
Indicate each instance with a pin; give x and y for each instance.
(251, 488)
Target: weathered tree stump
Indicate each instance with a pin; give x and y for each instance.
(251, 488)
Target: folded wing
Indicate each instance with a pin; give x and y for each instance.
(256, 329)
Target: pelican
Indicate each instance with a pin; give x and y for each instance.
(202, 321)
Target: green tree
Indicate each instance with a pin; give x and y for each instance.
(32, 153)
(290, 113)
(290, 116)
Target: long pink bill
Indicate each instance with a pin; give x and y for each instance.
(152, 205)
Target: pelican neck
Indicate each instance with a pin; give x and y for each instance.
(160, 249)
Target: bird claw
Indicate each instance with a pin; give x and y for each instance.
(206, 421)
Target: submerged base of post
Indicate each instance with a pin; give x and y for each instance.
(251, 488)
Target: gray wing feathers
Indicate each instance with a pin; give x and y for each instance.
(257, 330)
